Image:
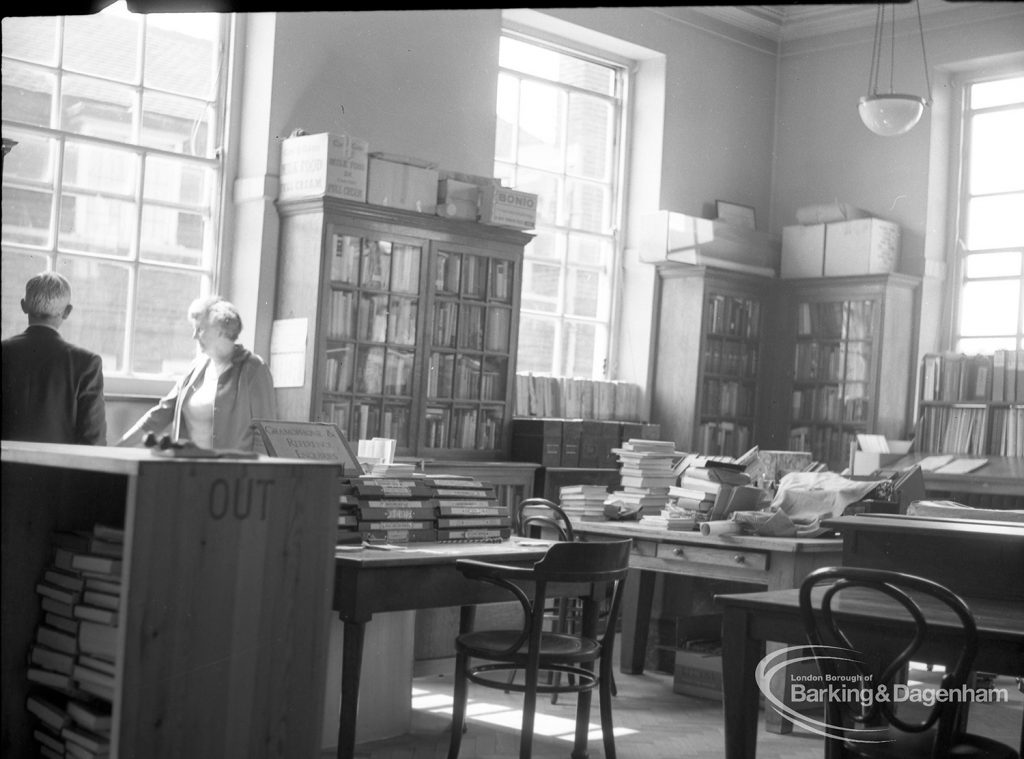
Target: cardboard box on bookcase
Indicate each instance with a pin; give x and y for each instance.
(318, 165)
(861, 246)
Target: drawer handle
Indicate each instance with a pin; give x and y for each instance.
(678, 552)
(740, 558)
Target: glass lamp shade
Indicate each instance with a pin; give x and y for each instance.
(890, 115)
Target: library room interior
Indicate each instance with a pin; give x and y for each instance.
(640, 382)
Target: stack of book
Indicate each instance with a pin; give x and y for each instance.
(393, 509)
(72, 661)
(708, 488)
(646, 474)
(468, 511)
(583, 503)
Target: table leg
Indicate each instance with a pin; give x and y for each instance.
(636, 620)
(740, 655)
(351, 664)
(774, 722)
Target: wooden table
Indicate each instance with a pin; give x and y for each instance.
(422, 576)
(998, 484)
(775, 563)
(751, 619)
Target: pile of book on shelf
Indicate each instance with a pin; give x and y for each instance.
(413, 508)
(583, 503)
(646, 472)
(575, 398)
(73, 658)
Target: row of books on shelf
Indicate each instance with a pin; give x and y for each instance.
(586, 443)
(828, 403)
(958, 377)
(415, 508)
(728, 315)
(727, 398)
(72, 661)
(996, 430)
(827, 443)
(836, 320)
(829, 362)
(567, 397)
(730, 357)
(723, 438)
(463, 325)
(384, 265)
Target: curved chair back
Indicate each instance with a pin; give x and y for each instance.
(825, 626)
(535, 515)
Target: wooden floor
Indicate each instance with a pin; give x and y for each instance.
(651, 722)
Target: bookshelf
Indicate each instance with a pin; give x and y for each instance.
(709, 357)
(843, 363)
(227, 580)
(412, 325)
(972, 404)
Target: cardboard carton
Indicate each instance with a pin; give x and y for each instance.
(318, 165)
(803, 251)
(502, 207)
(400, 182)
(861, 246)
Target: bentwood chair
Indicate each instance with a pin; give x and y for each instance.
(532, 517)
(485, 657)
(880, 727)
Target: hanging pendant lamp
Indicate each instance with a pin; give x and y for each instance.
(893, 113)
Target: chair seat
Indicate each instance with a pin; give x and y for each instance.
(914, 745)
(489, 644)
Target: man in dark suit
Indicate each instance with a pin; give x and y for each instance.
(52, 390)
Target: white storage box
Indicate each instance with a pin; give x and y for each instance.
(502, 207)
(803, 251)
(861, 246)
(402, 183)
(457, 200)
(315, 165)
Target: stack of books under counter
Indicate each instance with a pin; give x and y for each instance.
(72, 663)
(468, 511)
(393, 509)
(584, 503)
(646, 470)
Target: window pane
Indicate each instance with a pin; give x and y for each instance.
(1003, 264)
(18, 268)
(541, 286)
(997, 152)
(995, 222)
(590, 250)
(580, 345)
(115, 32)
(584, 295)
(589, 207)
(30, 39)
(547, 188)
(545, 245)
(508, 110)
(986, 345)
(558, 67)
(171, 235)
(97, 109)
(27, 92)
(173, 37)
(541, 131)
(31, 159)
(989, 308)
(1002, 92)
(27, 216)
(180, 182)
(591, 129)
(536, 344)
(162, 341)
(176, 124)
(99, 293)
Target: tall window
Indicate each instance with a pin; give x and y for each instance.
(990, 260)
(559, 136)
(115, 180)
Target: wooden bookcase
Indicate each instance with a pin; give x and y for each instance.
(709, 357)
(412, 325)
(227, 578)
(843, 356)
(972, 404)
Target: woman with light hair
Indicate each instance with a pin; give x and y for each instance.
(223, 391)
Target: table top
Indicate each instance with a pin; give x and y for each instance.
(1002, 474)
(689, 537)
(995, 617)
(515, 549)
(900, 523)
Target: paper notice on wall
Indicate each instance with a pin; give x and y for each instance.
(288, 352)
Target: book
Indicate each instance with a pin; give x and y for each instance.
(59, 681)
(64, 624)
(52, 606)
(104, 565)
(96, 614)
(59, 594)
(62, 579)
(48, 710)
(96, 689)
(87, 739)
(82, 673)
(49, 740)
(59, 640)
(109, 601)
(474, 535)
(108, 532)
(447, 522)
(92, 715)
(475, 510)
(53, 660)
(103, 584)
(97, 663)
(98, 639)
(961, 466)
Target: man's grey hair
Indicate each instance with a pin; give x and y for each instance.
(218, 313)
(47, 294)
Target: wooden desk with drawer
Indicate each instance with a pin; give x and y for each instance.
(775, 563)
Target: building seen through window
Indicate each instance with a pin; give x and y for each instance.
(115, 178)
(559, 136)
